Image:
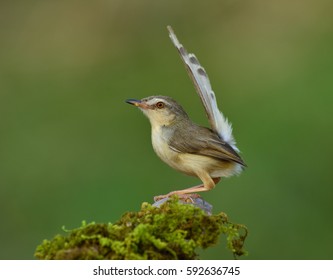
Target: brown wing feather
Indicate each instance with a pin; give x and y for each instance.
(206, 143)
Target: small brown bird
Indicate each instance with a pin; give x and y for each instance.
(206, 153)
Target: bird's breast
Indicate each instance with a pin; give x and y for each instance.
(160, 139)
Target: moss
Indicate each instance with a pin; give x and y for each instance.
(173, 231)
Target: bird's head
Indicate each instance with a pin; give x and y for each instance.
(160, 110)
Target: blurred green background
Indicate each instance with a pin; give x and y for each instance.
(72, 150)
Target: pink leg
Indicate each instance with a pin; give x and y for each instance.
(207, 185)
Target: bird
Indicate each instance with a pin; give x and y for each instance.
(206, 153)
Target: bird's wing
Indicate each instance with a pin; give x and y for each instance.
(206, 143)
(197, 73)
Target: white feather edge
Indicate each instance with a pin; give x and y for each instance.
(219, 123)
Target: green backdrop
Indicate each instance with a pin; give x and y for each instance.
(72, 150)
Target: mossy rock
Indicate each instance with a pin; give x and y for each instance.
(173, 231)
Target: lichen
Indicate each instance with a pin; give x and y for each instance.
(173, 231)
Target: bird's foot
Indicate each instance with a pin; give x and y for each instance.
(188, 198)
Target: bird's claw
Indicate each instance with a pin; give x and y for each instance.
(188, 198)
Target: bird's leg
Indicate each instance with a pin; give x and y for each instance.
(208, 184)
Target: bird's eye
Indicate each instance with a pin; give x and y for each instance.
(159, 105)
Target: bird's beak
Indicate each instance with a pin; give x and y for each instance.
(137, 103)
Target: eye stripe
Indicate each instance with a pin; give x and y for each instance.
(153, 100)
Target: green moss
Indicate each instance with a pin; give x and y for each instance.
(173, 231)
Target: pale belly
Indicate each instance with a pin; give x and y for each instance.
(192, 164)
